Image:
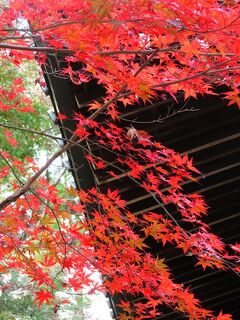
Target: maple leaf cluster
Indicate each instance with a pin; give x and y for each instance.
(177, 46)
(184, 41)
(14, 98)
(43, 234)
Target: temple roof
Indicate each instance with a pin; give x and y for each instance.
(205, 129)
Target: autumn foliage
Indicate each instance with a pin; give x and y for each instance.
(136, 50)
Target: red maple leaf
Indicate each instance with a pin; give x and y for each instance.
(61, 116)
(10, 138)
(222, 316)
(48, 261)
(174, 182)
(43, 296)
(235, 247)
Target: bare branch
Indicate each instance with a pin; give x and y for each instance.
(34, 49)
(102, 53)
(160, 119)
(34, 132)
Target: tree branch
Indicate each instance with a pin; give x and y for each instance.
(18, 193)
(104, 53)
(41, 49)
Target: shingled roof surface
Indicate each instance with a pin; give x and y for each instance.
(211, 136)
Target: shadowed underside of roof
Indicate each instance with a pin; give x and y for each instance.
(211, 136)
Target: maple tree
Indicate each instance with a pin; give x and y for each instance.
(136, 50)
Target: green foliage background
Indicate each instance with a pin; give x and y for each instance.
(39, 120)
